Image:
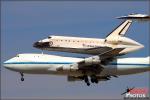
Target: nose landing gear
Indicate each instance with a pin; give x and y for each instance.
(22, 79)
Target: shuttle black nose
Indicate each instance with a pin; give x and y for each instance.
(41, 44)
(36, 44)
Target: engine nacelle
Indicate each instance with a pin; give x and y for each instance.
(73, 67)
(92, 60)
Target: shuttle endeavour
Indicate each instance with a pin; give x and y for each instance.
(94, 46)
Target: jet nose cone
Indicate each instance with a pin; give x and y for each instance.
(7, 65)
(10, 65)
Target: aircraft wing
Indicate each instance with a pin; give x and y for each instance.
(97, 62)
(110, 53)
(99, 49)
(80, 78)
(95, 65)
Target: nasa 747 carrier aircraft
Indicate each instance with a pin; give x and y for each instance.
(100, 67)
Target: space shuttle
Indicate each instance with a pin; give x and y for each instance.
(92, 46)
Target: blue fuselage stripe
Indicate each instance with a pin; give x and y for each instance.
(38, 63)
(128, 64)
(72, 63)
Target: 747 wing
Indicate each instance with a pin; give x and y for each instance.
(93, 66)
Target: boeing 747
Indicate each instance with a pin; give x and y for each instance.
(96, 68)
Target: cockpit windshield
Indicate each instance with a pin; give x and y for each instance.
(49, 37)
(17, 55)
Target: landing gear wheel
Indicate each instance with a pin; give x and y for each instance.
(22, 79)
(92, 80)
(86, 80)
(88, 84)
(96, 81)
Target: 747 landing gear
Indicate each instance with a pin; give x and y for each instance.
(22, 79)
(86, 80)
(94, 79)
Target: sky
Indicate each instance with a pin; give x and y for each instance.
(24, 22)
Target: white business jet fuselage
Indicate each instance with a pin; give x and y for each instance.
(58, 65)
(136, 17)
(92, 46)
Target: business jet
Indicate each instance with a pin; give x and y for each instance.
(136, 17)
(90, 70)
(92, 46)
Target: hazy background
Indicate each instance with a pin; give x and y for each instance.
(23, 23)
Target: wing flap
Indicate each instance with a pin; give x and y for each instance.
(111, 53)
(99, 49)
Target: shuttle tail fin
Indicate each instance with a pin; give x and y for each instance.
(119, 31)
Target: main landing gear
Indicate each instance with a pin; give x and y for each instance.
(93, 79)
(86, 80)
(22, 79)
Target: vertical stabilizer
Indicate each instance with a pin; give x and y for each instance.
(119, 31)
